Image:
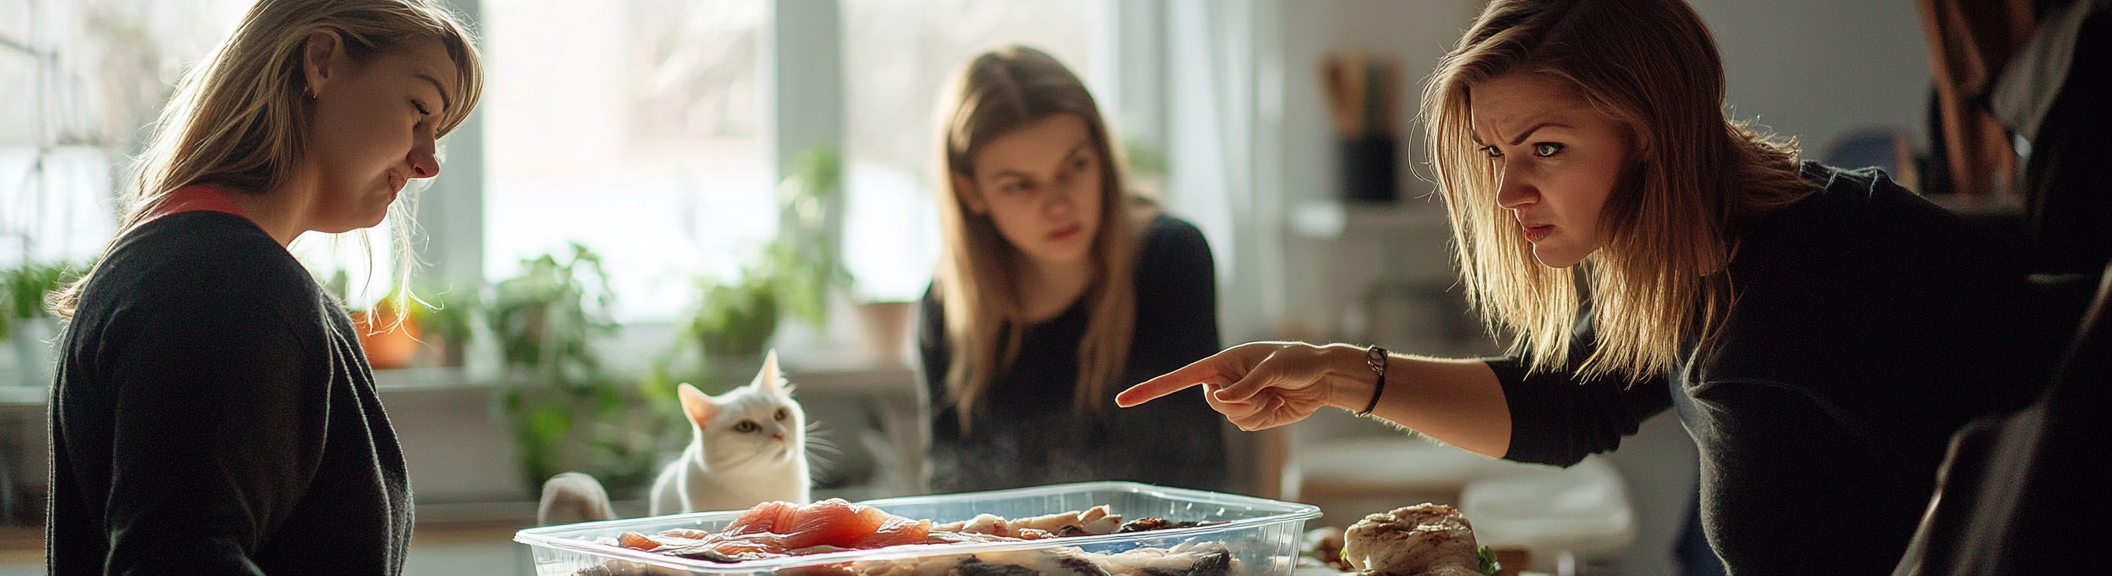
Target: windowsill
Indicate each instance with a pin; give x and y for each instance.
(23, 395)
(812, 374)
(1335, 219)
(826, 377)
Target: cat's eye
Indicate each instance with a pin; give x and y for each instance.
(747, 426)
(781, 414)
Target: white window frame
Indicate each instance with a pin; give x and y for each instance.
(803, 83)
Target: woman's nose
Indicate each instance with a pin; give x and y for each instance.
(1060, 199)
(423, 159)
(1513, 191)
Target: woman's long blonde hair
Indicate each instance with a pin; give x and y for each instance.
(1697, 179)
(993, 94)
(237, 119)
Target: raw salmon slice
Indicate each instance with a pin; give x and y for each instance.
(832, 522)
(896, 531)
(765, 517)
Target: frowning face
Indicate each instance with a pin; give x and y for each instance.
(1041, 184)
(1557, 159)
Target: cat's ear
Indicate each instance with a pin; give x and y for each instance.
(694, 403)
(770, 378)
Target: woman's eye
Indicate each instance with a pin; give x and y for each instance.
(1492, 151)
(747, 426)
(1081, 164)
(1545, 149)
(1013, 187)
(780, 415)
(422, 111)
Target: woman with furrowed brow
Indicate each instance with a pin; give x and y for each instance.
(1821, 332)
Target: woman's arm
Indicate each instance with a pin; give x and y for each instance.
(1268, 384)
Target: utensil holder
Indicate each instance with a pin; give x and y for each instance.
(1370, 168)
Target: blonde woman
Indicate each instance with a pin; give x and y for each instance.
(1055, 286)
(1821, 332)
(213, 412)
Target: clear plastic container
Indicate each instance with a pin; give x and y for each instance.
(1260, 535)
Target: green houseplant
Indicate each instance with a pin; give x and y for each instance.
(734, 320)
(565, 412)
(23, 290)
(546, 318)
(25, 322)
(446, 319)
(806, 259)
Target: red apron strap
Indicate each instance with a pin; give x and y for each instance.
(197, 197)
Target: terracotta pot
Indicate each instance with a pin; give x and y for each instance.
(886, 330)
(391, 347)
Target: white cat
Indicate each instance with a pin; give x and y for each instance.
(748, 447)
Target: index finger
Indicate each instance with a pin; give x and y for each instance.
(1204, 371)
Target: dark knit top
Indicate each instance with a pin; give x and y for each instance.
(213, 413)
(1868, 325)
(1025, 432)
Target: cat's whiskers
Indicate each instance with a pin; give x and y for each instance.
(818, 438)
(820, 448)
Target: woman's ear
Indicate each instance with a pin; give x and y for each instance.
(964, 187)
(322, 58)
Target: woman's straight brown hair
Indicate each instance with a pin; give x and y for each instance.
(996, 93)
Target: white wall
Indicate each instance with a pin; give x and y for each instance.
(1325, 278)
(1817, 68)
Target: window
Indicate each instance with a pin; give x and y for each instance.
(633, 128)
(898, 56)
(80, 79)
(94, 75)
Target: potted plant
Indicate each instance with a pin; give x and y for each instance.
(389, 338)
(567, 414)
(733, 320)
(806, 260)
(25, 321)
(446, 320)
(545, 318)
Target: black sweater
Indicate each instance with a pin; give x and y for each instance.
(213, 414)
(1868, 325)
(1025, 432)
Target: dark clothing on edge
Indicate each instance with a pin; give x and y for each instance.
(214, 414)
(1868, 325)
(2067, 184)
(1025, 432)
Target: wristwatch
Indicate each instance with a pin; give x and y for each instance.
(1376, 358)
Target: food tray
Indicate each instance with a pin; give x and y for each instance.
(1262, 535)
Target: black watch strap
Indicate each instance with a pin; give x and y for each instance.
(1376, 357)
